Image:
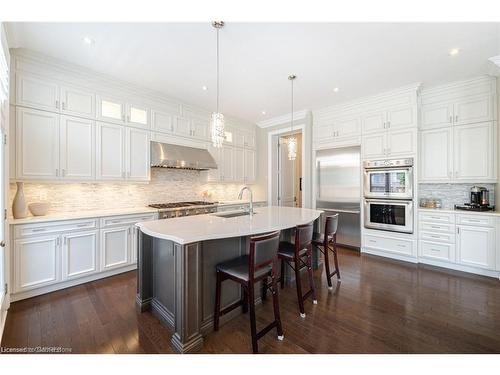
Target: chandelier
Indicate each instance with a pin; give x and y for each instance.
(292, 140)
(217, 120)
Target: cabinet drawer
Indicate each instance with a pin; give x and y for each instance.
(476, 220)
(437, 227)
(53, 227)
(126, 220)
(439, 237)
(438, 251)
(437, 217)
(392, 245)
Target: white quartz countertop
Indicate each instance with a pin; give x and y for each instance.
(189, 229)
(453, 211)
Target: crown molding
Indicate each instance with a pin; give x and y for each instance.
(283, 119)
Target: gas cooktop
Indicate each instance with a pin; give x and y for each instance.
(181, 204)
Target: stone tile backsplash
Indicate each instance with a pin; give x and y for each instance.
(451, 194)
(166, 185)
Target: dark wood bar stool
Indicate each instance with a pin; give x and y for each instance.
(260, 263)
(298, 255)
(326, 243)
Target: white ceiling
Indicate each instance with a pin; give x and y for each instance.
(256, 58)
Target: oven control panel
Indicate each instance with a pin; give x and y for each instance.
(388, 163)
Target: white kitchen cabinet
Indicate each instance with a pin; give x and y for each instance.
(77, 148)
(215, 175)
(77, 102)
(79, 254)
(137, 115)
(37, 92)
(374, 146)
(36, 262)
(473, 109)
(436, 155)
(238, 164)
(110, 109)
(400, 117)
(346, 127)
(162, 122)
(250, 161)
(474, 156)
(199, 128)
(182, 127)
(115, 247)
(401, 142)
(137, 155)
(110, 151)
(476, 246)
(373, 122)
(227, 170)
(249, 140)
(436, 115)
(37, 144)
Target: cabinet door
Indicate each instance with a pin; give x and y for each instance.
(199, 128)
(473, 110)
(138, 116)
(110, 152)
(133, 244)
(37, 144)
(249, 140)
(37, 93)
(401, 142)
(77, 148)
(436, 115)
(323, 133)
(110, 109)
(215, 174)
(182, 126)
(138, 166)
(374, 146)
(239, 164)
(250, 163)
(36, 262)
(77, 102)
(373, 122)
(162, 122)
(238, 138)
(436, 155)
(115, 247)
(476, 246)
(227, 162)
(474, 152)
(347, 127)
(401, 117)
(79, 254)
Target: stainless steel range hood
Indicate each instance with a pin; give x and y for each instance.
(166, 155)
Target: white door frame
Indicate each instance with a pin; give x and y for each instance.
(284, 131)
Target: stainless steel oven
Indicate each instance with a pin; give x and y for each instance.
(388, 179)
(392, 215)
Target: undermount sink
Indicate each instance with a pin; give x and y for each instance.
(233, 214)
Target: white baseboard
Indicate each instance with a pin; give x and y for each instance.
(460, 267)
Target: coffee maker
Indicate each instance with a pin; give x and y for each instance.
(479, 200)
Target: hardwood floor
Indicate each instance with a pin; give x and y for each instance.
(381, 306)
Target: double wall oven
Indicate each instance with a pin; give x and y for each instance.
(388, 195)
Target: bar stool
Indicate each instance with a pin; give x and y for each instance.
(323, 242)
(260, 263)
(298, 255)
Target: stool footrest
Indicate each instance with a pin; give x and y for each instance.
(231, 307)
(265, 330)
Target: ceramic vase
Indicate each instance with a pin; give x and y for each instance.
(19, 209)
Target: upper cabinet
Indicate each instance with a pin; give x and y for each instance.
(137, 115)
(37, 93)
(77, 102)
(398, 117)
(110, 109)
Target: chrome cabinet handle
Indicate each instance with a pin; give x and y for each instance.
(57, 104)
(63, 105)
(38, 230)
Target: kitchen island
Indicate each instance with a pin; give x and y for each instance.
(177, 258)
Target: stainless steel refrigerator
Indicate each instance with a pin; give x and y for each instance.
(338, 190)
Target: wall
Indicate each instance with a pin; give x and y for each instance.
(452, 194)
(166, 185)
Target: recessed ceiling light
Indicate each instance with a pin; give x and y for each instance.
(263, 112)
(204, 88)
(454, 51)
(88, 40)
(336, 89)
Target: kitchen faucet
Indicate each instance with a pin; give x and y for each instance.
(240, 196)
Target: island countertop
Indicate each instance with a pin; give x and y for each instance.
(189, 229)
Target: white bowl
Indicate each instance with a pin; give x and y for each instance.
(39, 208)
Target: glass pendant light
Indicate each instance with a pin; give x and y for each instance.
(217, 121)
(292, 140)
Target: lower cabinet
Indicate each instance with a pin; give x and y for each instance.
(115, 247)
(79, 254)
(476, 246)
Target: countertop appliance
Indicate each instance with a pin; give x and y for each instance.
(338, 190)
(178, 209)
(166, 155)
(479, 200)
(388, 179)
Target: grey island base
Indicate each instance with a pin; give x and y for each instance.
(176, 266)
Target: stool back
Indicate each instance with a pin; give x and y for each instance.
(263, 250)
(331, 225)
(303, 236)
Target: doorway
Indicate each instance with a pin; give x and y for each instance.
(287, 181)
